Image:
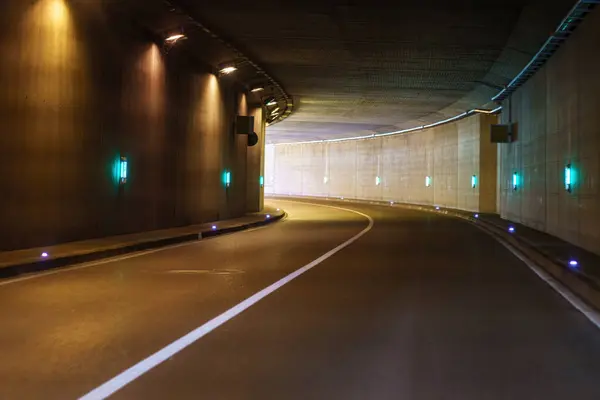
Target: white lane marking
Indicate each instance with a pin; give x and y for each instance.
(111, 386)
(590, 313)
(75, 267)
(205, 271)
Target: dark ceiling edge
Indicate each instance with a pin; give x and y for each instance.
(562, 32)
(403, 131)
(289, 103)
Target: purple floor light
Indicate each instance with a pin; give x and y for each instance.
(268, 216)
(476, 215)
(44, 255)
(214, 227)
(573, 263)
(511, 229)
(437, 207)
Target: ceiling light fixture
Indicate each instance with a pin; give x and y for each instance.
(227, 70)
(257, 89)
(174, 38)
(272, 103)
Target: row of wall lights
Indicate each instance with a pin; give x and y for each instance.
(568, 174)
(427, 181)
(122, 172)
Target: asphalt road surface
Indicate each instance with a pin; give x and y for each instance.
(418, 306)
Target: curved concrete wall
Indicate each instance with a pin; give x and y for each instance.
(557, 112)
(450, 154)
(77, 90)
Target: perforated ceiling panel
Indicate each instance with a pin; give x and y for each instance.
(360, 67)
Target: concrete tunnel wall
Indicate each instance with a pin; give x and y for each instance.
(557, 113)
(450, 154)
(77, 90)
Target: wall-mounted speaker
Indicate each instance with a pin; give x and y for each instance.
(244, 125)
(504, 133)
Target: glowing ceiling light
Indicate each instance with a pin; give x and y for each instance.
(257, 89)
(275, 111)
(272, 103)
(228, 70)
(174, 38)
(58, 12)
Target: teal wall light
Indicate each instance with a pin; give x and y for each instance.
(515, 181)
(427, 181)
(568, 178)
(261, 181)
(227, 178)
(474, 181)
(123, 170)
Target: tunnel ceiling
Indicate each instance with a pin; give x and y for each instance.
(361, 67)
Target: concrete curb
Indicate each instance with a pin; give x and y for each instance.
(583, 286)
(17, 269)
